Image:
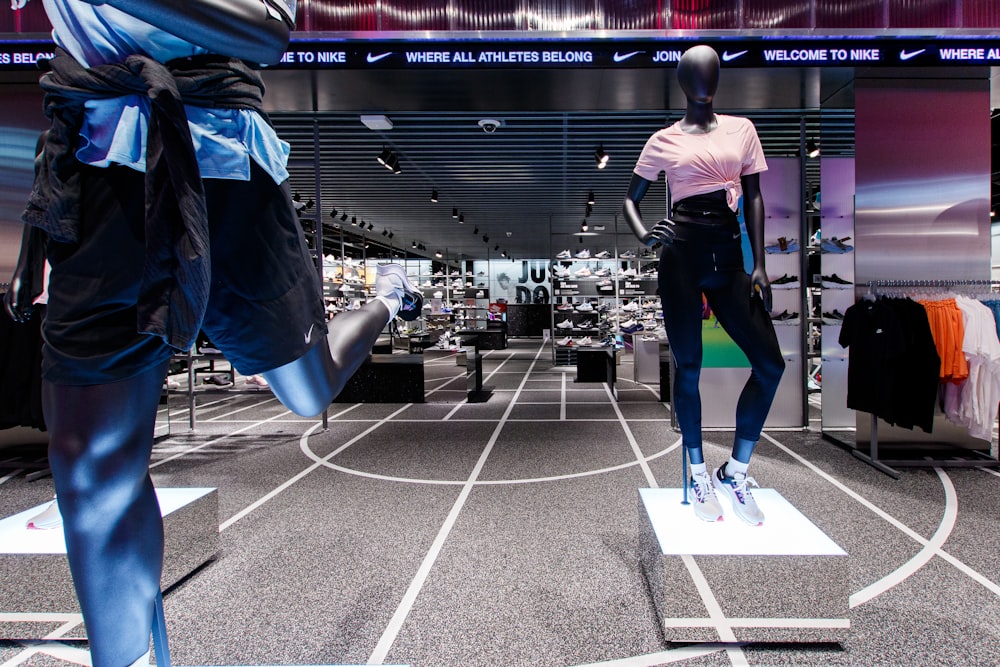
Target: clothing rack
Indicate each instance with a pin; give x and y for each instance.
(979, 459)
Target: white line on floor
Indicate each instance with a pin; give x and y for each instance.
(390, 633)
(663, 657)
(906, 530)
(296, 478)
(466, 400)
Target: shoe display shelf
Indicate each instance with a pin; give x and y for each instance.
(585, 293)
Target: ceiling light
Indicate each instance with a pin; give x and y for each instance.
(812, 149)
(384, 156)
(475, 232)
(391, 234)
(354, 220)
(393, 164)
(601, 157)
(454, 212)
(333, 213)
(583, 226)
(461, 218)
(486, 238)
(343, 217)
(496, 247)
(434, 196)
(376, 122)
(438, 254)
(370, 226)
(413, 245)
(385, 232)
(590, 198)
(590, 209)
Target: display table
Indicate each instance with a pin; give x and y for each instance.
(386, 378)
(34, 572)
(785, 581)
(597, 364)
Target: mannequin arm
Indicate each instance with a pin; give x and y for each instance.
(27, 275)
(252, 30)
(753, 214)
(662, 231)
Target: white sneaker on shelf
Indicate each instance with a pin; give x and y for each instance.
(565, 324)
(565, 341)
(585, 307)
(565, 254)
(586, 340)
(257, 381)
(737, 491)
(604, 254)
(583, 254)
(582, 273)
(705, 502)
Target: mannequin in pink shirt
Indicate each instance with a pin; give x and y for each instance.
(711, 161)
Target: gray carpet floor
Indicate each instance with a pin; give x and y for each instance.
(505, 533)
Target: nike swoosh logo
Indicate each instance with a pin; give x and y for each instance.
(375, 59)
(622, 57)
(906, 55)
(727, 56)
(309, 334)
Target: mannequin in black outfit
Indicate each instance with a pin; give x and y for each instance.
(702, 254)
(101, 432)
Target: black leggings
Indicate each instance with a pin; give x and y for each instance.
(707, 258)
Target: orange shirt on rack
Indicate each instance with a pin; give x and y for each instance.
(948, 330)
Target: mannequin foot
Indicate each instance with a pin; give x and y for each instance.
(736, 488)
(47, 520)
(706, 503)
(391, 280)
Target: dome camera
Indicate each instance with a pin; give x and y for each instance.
(490, 125)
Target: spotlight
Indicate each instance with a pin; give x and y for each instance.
(475, 232)
(384, 157)
(590, 198)
(343, 217)
(370, 226)
(590, 209)
(333, 213)
(454, 213)
(461, 219)
(354, 220)
(600, 157)
(385, 232)
(413, 245)
(391, 235)
(583, 226)
(496, 247)
(812, 149)
(393, 164)
(438, 254)
(434, 196)
(486, 239)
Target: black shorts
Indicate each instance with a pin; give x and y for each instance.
(265, 306)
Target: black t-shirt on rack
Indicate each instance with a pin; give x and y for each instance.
(872, 333)
(919, 370)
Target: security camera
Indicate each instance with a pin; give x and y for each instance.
(490, 125)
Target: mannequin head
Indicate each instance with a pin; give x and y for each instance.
(698, 73)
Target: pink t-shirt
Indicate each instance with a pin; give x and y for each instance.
(696, 164)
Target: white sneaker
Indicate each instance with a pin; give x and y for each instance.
(565, 254)
(582, 273)
(705, 502)
(391, 279)
(604, 254)
(585, 307)
(583, 254)
(737, 491)
(257, 381)
(586, 340)
(565, 341)
(48, 519)
(560, 271)
(565, 324)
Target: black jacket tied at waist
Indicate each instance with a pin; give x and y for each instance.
(176, 279)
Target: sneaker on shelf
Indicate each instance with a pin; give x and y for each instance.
(257, 381)
(606, 282)
(586, 340)
(583, 254)
(582, 273)
(560, 271)
(454, 273)
(480, 294)
(737, 490)
(564, 254)
(585, 307)
(705, 502)
(836, 246)
(835, 282)
(604, 254)
(783, 246)
(631, 307)
(784, 317)
(427, 283)
(585, 324)
(628, 254)
(835, 317)
(565, 341)
(564, 306)
(631, 326)
(438, 273)
(438, 295)
(565, 324)
(171, 383)
(219, 380)
(629, 273)
(602, 273)
(392, 279)
(785, 282)
(650, 271)
(208, 349)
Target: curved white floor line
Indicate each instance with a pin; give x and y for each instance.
(922, 557)
(662, 657)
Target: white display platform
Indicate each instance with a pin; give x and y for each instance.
(785, 581)
(34, 572)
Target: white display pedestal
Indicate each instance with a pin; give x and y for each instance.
(785, 581)
(34, 572)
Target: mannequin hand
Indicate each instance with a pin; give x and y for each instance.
(760, 285)
(17, 4)
(662, 232)
(17, 301)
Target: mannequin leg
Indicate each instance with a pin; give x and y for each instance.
(308, 384)
(101, 439)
